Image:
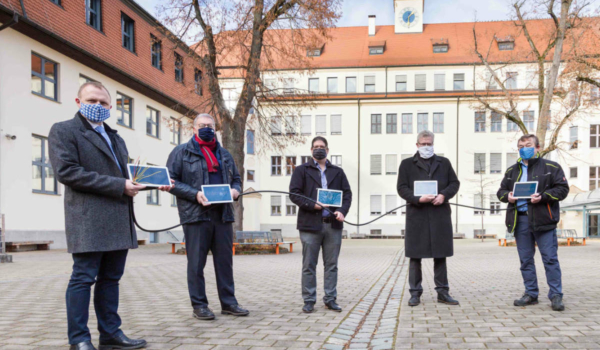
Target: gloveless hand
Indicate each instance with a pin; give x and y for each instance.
(132, 189)
(201, 198)
(234, 194)
(426, 199)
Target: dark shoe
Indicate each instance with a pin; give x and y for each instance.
(122, 342)
(414, 300)
(557, 303)
(445, 298)
(331, 305)
(308, 308)
(86, 345)
(525, 300)
(204, 313)
(235, 310)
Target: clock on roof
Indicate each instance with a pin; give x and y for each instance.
(408, 16)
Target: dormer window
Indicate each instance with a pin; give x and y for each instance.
(440, 45)
(506, 43)
(376, 47)
(315, 51)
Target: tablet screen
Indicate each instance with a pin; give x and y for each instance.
(149, 175)
(330, 197)
(525, 189)
(217, 193)
(424, 188)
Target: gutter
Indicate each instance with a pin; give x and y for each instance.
(457, 163)
(12, 22)
(358, 170)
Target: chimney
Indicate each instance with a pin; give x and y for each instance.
(371, 25)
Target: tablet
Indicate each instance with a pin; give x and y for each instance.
(524, 190)
(149, 175)
(424, 188)
(332, 198)
(217, 193)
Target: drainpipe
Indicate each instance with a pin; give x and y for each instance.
(358, 171)
(386, 81)
(10, 23)
(457, 163)
(23, 9)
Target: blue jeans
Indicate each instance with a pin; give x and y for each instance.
(105, 269)
(547, 243)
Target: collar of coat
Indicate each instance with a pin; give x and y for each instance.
(92, 136)
(434, 164)
(87, 126)
(192, 148)
(314, 173)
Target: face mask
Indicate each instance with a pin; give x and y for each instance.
(426, 152)
(319, 153)
(94, 113)
(206, 134)
(527, 153)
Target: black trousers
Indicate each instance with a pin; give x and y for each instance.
(217, 237)
(415, 276)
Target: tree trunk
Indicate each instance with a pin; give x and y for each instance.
(233, 140)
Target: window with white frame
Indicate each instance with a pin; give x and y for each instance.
(152, 197)
(480, 163)
(594, 177)
(321, 124)
(290, 165)
(336, 160)
(512, 126)
(276, 127)
(511, 159)
(375, 123)
(490, 81)
(594, 136)
(124, 110)
(276, 166)
(438, 122)
(275, 205)
(370, 83)
(403, 209)
(478, 203)
(350, 84)
(459, 81)
(290, 125)
(375, 164)
(375, 204)
(290, 207)
(422, 121)
(401, 82)
(336, 124)
(332, 85)
(496, 124)
(407, 123)
(494, 205)
(405, 156)
(175, 131)
(391, 202)
(511, 80)
(173, 201)
(391, 126)
(529, 120)
(288, 86)
(313, 85)
(391, 164)
(573, 137)
(495, 163)
(420, 82)
(439, 81)
(306, 125)
(305, 159)
(250, 141)
(479, 121)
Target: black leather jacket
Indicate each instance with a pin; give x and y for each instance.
(189, 170)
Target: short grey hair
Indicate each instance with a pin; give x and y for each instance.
(425, 133)
(204, 115)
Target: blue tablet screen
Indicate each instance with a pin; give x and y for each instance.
(525, 189)
(149, 175)
(217, 193)
(332, 198)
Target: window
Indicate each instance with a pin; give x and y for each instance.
(422, 121)
(511, 159)
(313, 85)
(351, 84)
(403, 209)
(511, 80)
(479, 121)
(83, 79)
(440, 48)
(152, 122)
(93, 13)
(528, 120)
(595, 95)
(250, 175)
(439, 81)
(479, 163)
(57, 2)
(370, 83)
(594, 177)
(478, 203)
(275, 205)
(313, 52)
(250, 141)
(401, 82)
(276, 166)
(175, 131)
(391, 202)
(178, 68)
(420, 82)
(173, 201)
(321, 124)
(332, 86)
(124, 110)
(506, 46)
(290, 207)
(375, 164)
(573, 173)
(288, 86)
(44, 77)
(156, 52)
(336, 160)
(306, 159)
(478, 232)
(375, 205)
(375, 123)
(198, 81)
(594, 136)
(376, 50)
(152, 197)
(511, 126)
(127, 32)
(306, 125)
(271, 84)
(496, 122)
(391, 126)
(495, 163)
(290, 125)
(290, 165)
(573, 137)
(391, 164)
(336, 124)
(407, 123)
(490, 81)
(230, 98)
(459, 81)
(438, 122)
(494, 205)
(276, 126)
(405, 156)
(43, 180)
(375, 232)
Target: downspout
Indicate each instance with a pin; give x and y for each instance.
(23, 9)
(358, 171)
(10, 23)
(386, 81)
(457, 153)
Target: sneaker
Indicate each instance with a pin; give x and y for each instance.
(526, 300)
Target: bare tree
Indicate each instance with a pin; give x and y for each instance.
(482, 185)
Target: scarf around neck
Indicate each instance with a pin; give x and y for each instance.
(208, 149)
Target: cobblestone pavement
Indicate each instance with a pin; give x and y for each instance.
(372, 290)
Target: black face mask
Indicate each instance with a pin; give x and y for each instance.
(319, 153)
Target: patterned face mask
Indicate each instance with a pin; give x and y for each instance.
(94, 112)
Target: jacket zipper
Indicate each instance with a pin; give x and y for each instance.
(518, 178)
(549, 211)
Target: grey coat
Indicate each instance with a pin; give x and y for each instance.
(97, 217)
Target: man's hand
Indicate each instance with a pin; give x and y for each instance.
(339, 216)
(511, 199)
(439, 199)
(320, 206)
(536, 198)
(202, 199)
(426, 199)
(132, 189)
(234, 194)
(167, 188)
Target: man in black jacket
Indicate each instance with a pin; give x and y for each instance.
(534, 220)
(202, 161)
(318, 227)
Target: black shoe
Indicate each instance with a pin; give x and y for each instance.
(525, 300)
(234, 310)
(331, 305)
(445, 298)
(414, 300)
(86, 345)
(204, 313)
(557, 303)
(122, 342)
(308, 308)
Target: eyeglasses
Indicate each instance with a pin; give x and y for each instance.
(425, 144)
(320, 147)
(202, 126)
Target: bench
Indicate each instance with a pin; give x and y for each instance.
(358, 235)
(16, 247)
(485, 235)
(458, 236)
(509, 237)
(260, 238)
(570, 235)
(173, 244)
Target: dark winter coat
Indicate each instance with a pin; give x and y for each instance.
(428, 227)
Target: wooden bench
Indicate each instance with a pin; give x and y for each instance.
(509, 237)
(173, 244)
(16, 247)
(485, 235)
(260, 238)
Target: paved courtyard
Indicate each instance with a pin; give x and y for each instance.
(372, 290)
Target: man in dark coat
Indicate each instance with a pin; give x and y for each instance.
(319, 228)
(90, 159)
(202, 161)
(428, 217)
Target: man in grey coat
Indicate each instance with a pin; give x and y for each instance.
(90, 160)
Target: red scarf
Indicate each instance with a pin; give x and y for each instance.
(207, 149)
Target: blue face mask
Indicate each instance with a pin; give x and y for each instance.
(527, 153)
(94, 113)
(206, 134)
